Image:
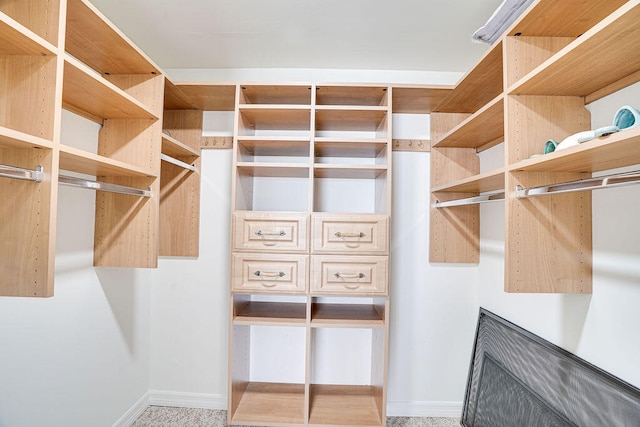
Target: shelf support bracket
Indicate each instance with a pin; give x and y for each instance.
(618, 180)
(483, 198)
(103, 186)
(22, 173)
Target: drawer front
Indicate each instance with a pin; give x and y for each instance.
(357, 276)
(361, 234)
(258, 273)
(273, 232)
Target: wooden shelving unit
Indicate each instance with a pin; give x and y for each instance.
(101, 75)
(542, 74)
(299, 152)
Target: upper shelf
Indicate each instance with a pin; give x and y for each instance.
(15, 39)
(347, 118)
(40, 16)
(371, 96)
(479, 86)
(602, 56)
(199, 96)
(482, 130)
(614, 151)
(566, 18)
(275, 94)
(418, 99)
(276, 117)
(91, 96)
(94, 40)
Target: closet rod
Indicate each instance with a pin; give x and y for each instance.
(629, 178)
(483, 198)
(22, 173)
(177, 162)
(102, 186)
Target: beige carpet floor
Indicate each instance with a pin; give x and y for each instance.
(162, 416)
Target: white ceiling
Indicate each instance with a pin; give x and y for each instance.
(425, 35)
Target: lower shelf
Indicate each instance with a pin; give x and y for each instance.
(271, 404)
(340, 405)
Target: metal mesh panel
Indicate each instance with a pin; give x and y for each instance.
(518, 379)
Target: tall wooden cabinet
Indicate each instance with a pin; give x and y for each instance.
(310, 247)
(64, 54)
(531, 86)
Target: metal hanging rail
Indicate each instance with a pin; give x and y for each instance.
(177, 162)
(618, 180)
(102, 186)
(22, 173)
(483, 198)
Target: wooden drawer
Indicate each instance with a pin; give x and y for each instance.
(362, 234)
(256, 273)
(350, 275)
(273, 232)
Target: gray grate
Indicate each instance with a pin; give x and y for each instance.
(518, 379)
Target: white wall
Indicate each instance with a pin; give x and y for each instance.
(82, 357)
(602, 327)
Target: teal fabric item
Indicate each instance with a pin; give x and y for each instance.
(626, 117)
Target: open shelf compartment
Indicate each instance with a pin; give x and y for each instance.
(275, 94)
(336, 95)
(268, 310)
(40, 17)
(15, 39)
(348, 312)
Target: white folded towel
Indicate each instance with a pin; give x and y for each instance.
(501, 19)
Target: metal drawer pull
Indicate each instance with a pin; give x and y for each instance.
(270, 233)
(349, 276)
(269, 273)
(339, 234)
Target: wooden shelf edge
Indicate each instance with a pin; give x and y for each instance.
(173, 147)
(81, 75)
(11, 138)
(322, 170)
(30, 42)
(617, 150)
(484, 182)
(75, 160)
(488, 115)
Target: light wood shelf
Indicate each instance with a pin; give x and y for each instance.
(271, 313)
(283, 170)
(271, 404)
(567, 18)
(212, 96)
(349, 147)
(482, 183)
(479, 86)
(348, 95)
(40, 16)
(277, 117)
(93, 97)
(15, 39)
(346, 316)
(482, 130)
(275, 146)
(275, 94)
(322, 170)
(76, 160)
(614, 151)
(345, 118)
(410, 99)
(611, 49)
(94, 40)
(10, 138)
(175, 148)
(343, 405)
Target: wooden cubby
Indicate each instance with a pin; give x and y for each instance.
(531, 86)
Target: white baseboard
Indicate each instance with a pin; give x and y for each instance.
(424, 409)
(134, 412)
(187, 400)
